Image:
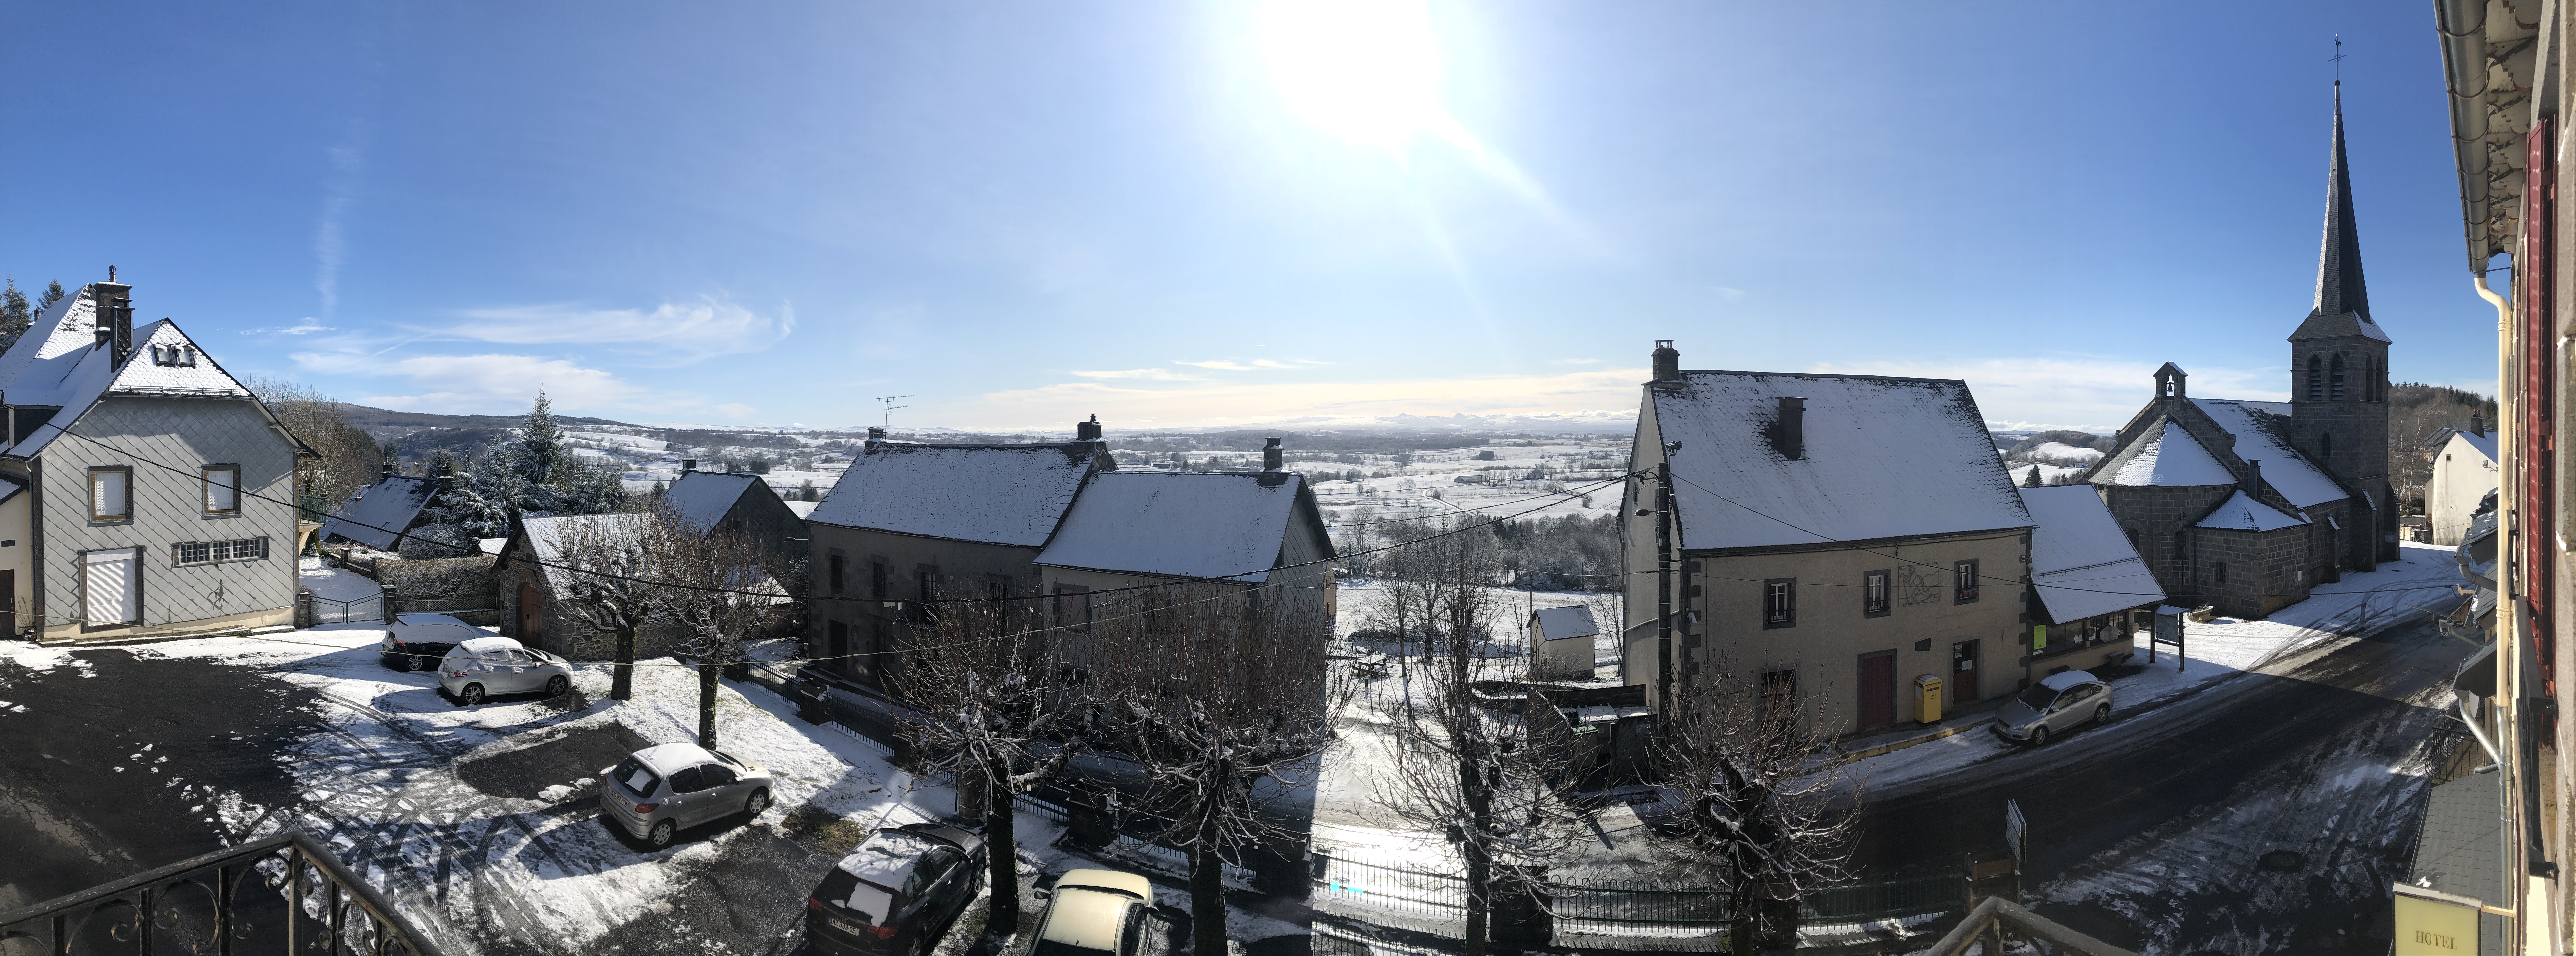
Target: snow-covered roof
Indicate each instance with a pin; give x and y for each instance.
(1882, 458)
(547, 538)
(2166, 456)
(52, 373)
(2258, 437)
(492, 545)
(1560, 623)
(998, 494)
(2080, 560)
(379, 513)
(1179, 524)
(2483, 444)
(2240, 512)
(701, 498)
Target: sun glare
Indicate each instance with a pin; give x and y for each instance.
(1366, 71)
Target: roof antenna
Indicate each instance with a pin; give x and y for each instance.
(890, 406)
(111, 273)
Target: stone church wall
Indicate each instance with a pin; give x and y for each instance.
(2153, 515)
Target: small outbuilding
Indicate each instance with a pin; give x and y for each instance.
(2464, 471)
(1561, 640)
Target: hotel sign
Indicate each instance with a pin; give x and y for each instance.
(2434, 923)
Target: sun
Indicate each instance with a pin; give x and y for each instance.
(1365, 71)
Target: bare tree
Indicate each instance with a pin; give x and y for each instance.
(350, 460)
(1480, 767)
(1759, 812)
(1224, 696)
(612, 568)
(997, 714)
(735, 598)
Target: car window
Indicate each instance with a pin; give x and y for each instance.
(688, 781)
(729, 758)
(918, 882)
(2038, 697)
(1131, 938)
(635, 777)
(716, 775)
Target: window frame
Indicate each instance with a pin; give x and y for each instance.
(1965, 581)
(1779, 603)
(837, 570)
(124, 516)
(206, 490)
(1877, 593)
(230, 546)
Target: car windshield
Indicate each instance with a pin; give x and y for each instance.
(729, 758)
(636, 777)
(2038, 697)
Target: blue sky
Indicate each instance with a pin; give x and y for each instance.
(1209, 213)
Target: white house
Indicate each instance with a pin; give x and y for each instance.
(1561, 643)
(2464, 470)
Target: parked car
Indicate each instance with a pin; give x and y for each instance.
(659, 791)
(1096, 913)
(484, 666)
(2058, 703)
(898, 893)
(415, 642)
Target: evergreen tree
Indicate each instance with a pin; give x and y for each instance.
(16, 313)
(2033, 480)
(659, 489)
(534, 475)
(53, 294)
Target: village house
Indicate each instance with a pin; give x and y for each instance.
(380, 515)
(1834, 538)
(2090, 592)
(531, 576)
(1257, 531)
(143, 489)
(908, 522)
(1560, 643)
(740, 503)
(2464, 472)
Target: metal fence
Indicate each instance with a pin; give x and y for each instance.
(284, 894)
(1631, 907)
(1402, 890)
(1638, 908)
(1913, 894)
(365, 610)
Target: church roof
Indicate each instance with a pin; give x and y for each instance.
(2240, 512)
(2284, 468)
(2343, 302)
(2166, 456)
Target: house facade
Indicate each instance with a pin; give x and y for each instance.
(1831, 537)
(2464, 471)
(907, 523)
(143, 490)
(530, 576)
(1258, 532)
(705, 501)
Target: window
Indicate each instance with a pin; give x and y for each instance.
(997, 586)
(1073, 608)
(2334, 379)
(1873, 594)
(2325, 445)
(926, 578)
(839, 572)
(2218, 569)
(184, 356)
(210, 552)
(877, 579)
(1963, 582)
(1780, 692)
(1780, 603)
(111, 494)
(2316, 379)
(223, 489)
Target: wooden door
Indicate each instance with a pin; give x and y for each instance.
(1963, 675)
(532, 615)
(1878, 689)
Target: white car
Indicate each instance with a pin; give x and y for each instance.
(1096, 913)
(485, 666)
(658, 791)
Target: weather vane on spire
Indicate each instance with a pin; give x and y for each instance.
(2337, 60)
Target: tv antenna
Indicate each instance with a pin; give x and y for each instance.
(890, 406)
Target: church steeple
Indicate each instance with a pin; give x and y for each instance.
(2343, 301)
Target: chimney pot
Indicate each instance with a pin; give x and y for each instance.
(389, 468)
(2477, 424)
(876, 433)
(1087, 430)
(1273, 458)
(1789, 430)
(1668, 362)
(688, 465)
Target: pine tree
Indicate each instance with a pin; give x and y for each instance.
(16, 313)
(53, 294)
(2033, 480)
(534, 475)
(659, 489)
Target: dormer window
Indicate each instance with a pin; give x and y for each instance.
(180, 356)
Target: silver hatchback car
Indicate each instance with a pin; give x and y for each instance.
(658, 791)
(2058, 703)
(479, 668)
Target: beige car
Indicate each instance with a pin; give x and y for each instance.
(1097, 913)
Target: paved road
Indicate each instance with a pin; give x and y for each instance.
(2146, 831)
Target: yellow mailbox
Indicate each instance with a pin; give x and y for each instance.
(1927, 699)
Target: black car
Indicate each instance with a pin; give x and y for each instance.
(898, 893)
(415, 642)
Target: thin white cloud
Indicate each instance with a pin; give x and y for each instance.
(675, 331)
(737, 410)
(1230, 365)
(2089, 393)
(1146, 374)
(1584, 393)
(475, 383)
(304, 326)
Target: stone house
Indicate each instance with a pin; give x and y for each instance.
(1833, 538)
(908, 522)
(378, 515)
(530, 574)
(2090, 592)
(743, 503)
(2464, 471)
(143, 490)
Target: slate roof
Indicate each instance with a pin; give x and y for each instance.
(2460, 848)
(2080, 561)
(1182, 524)
(995, 494)
(379, 513)
(2343, 302)
(1884, 458)
(2167, 457)
(65, 367)
(700, 498)
(1570, 621)
(2240, 512)
(2485, 444)
(546, 538)
(2258, 436)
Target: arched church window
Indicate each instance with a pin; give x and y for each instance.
(2325, 445)
(2316, 379)
(2334, 380)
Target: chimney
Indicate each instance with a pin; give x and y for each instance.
(446, 479)
(1789, 431)
(876, 433)
(2478, 423)
(2254, 485)
(1087, 431)
(688, 465)
(115, 316)
(1668, 363)
(1273, 458)
(389, 468)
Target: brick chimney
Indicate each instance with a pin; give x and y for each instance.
(688, 465)
(1789, 429)
(1668, 363)
(1087, 431)
(1273, 458)
(2478, 423)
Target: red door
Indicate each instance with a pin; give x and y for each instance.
(532, 615)
(1878, 689)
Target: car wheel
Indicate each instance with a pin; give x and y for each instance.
(661, 834)
(758, 801)
(471, 695)
(2039, 736)
(920, 945)
(422, 662)
(556, 685)
(2102, 714)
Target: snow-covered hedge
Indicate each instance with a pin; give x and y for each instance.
(442, 578)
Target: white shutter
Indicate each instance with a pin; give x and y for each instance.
(110, 586)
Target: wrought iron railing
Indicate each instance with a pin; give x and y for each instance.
(2001, 925)
(1632, 907)
(284, 894)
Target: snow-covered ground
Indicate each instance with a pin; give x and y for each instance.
(2417, 583)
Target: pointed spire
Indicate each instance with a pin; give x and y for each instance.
(2343, 302)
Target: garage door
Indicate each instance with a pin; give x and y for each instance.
(112, 586)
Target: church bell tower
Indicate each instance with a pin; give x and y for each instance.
(2339, 356)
